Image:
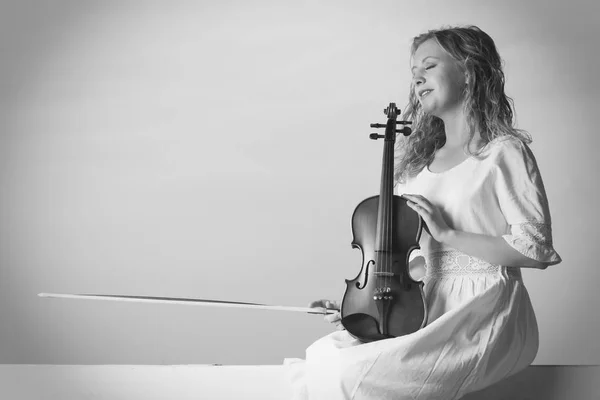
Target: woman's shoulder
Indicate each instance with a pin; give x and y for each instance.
(506, 148)
(510, 155)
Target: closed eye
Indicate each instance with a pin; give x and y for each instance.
(431, 66)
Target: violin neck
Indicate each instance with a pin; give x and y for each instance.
(383, 239)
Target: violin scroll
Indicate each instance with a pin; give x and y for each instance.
(390, 127)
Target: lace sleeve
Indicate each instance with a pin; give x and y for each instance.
(522, 199)
(534, 240)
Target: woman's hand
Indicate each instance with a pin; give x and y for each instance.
(334, 318)
(435, 224)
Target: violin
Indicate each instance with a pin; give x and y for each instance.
(383, 301)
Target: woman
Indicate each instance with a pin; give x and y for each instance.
(471, 176)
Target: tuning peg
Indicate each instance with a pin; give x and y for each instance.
(376, 136)
(404, 122)
(405, 131)
(378, 125)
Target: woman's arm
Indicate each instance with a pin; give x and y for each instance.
(492, 249)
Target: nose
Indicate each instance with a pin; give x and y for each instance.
(417, 82)
(418, 79)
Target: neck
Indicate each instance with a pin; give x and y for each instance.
(457, 131)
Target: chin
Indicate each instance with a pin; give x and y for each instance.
(429, 111)
(428, 108)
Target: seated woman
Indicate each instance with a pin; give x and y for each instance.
(475, 182)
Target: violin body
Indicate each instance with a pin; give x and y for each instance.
(364, 317)
(383, 301)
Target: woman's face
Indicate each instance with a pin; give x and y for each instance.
(438, 80)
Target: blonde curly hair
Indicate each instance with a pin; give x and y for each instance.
(488, 109)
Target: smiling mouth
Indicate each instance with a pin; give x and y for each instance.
(425, 93)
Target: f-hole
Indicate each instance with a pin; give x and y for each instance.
(366, 276)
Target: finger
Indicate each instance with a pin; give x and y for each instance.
(421, 208)
(333, 305)
(410, 199)
(420, 202)
(415, 206)
(417, 198)
(333, 318)
(413, 196)
(318, 303)
(424, 215)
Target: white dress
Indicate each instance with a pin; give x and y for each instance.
(481, 326)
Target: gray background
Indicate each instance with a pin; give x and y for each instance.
(218, 149)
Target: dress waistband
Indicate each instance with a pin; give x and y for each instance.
(446, 263)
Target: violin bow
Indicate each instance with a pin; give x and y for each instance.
(188, 301)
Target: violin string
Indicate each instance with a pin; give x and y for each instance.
(391, 197)
(391, 206)
(388, 201)
(389, 217)
(383, 244)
